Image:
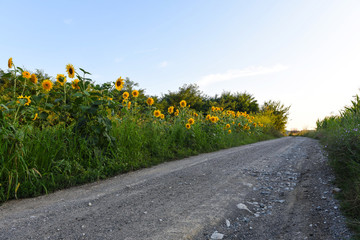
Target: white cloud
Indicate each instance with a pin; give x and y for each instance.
(239, 73)
(68, 21)
(163, 64)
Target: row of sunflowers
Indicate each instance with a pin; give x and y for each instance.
(58, 132)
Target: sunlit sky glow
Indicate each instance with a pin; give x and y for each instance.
(303, 53)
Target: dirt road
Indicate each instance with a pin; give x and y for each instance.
(278, 189)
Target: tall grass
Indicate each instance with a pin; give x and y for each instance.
(341, 138)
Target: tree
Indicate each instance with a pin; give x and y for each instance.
(278, 112)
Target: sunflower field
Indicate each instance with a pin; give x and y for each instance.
(60, 132)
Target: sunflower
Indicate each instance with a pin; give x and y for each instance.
(183, 103)
(227, 126)
(126, 95)
(191, 121)
(171, 109)
(229, 131)
(208, 117)
(26, 74)
(157, 113)
(47, 85)
(75, 84)
(60, 78)
(119, 84)
(70, 70)
(10, 63)
(129, 105)
(33, 78)
(254, 124)
(213, 108)
(135, 93)
(176, 112)
(188, 125)
(28, 101)
(124, 102)
(213, 119)
(162, 116)
(150, 101)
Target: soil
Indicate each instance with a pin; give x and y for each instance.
(277, 189)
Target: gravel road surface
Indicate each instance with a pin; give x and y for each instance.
(278, 189)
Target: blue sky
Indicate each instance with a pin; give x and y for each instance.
(303, 53)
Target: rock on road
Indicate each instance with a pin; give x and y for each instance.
(277, 189)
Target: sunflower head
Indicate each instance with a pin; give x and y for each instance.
(33, 78)
(227, 126)
(162, 116)
(70, 70)
(188, 125)
(191, 121)
(183, 103)
(129, 105)
(47, 85)
(125, 95)
(229, 131)
(10, 63)
(171, 109)
(119, 84)
(26, 74)
(208, 117)
(176, 112)
(150, 101)
(60, 78)
(157, 113)
(75, 84)
(213, 119)
(27, 98)
(135, 93)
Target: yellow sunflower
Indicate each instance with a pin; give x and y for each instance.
(191, 121)
(129, 105)
(60, 78)
(213, 119)
(229, 131)
(28, 101)
(150, 101)
(75, 84)
(135, 93)
(227, 126)
(208, 117)
(10, 63)
(188, 125)
(47, 85)
(157, 113)
(176, 112)
(26, 74)
(33, 78)
(162, 116)
(70, 70)
(171, 109)
(119, 84)
(183, 103)
(126, 95)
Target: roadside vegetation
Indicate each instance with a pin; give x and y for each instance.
(340, 136)
(60, 132)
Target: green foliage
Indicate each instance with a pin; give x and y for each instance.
(341, 138)
(64, 133)
(242, 102)
(278, 113)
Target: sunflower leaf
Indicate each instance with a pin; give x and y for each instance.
(85, 72)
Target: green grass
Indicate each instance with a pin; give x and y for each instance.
(340, 136)
(38, 161)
